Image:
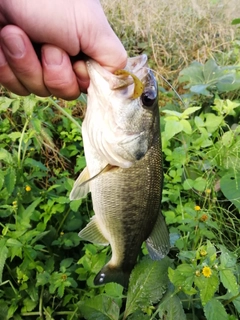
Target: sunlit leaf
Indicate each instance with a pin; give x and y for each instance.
(229, 281)
(207, 286)
(230, 187)
(147, 284)
(100, 307)
(3, 256)
(214, 310)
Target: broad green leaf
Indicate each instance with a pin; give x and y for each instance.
(227, 138)
(186, 127)
(15, 105)
(207, 286)
(13, 243)
(190, 110)
(201, 89)
(29, 103)
(192, 74)
(29, 305)
(34, 164)
(229, 281)
(100, 307)
(148, 282)
(227, 258)
(25, 214)
(174, 113)
(113, 289)
(10, 180)
(3, 256)
(214, 310)
(204, 78)
(230, 186)
(183, 277)
(200, 184)
(43, 278)
(199, 122)
(188, 184)
(171, 308)
(236, 303)
(80, 164)
(5, 156)
(11, 310)
(213, 122)
(65, 264)
(5, 103)
(75, 204)
(14, 135)
(236, 21)
(172, 127)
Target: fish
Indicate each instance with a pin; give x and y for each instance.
(124, 172)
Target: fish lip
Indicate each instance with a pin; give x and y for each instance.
(136, 65)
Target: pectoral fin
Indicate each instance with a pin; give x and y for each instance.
(158, 242)
(81, 186)
(93, 234)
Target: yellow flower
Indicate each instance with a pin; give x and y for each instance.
(208, 191)
(206, 272)
(28, 188)
(197, 208)
(203, 252)
(198, 273)
(14, 204)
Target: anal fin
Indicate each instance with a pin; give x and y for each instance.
(158, 243)
(93, 234)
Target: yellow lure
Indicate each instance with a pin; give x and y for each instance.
(138, 88)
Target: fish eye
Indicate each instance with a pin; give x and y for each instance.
(149, 97)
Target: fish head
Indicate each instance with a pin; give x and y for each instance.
(122, 119)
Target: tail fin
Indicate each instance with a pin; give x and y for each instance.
(112, 274)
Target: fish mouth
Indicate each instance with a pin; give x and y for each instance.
(134, 74)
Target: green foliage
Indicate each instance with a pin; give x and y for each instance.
(47, 272)
(209, 77)
(144, 290)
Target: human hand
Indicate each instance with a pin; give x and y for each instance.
(64, 29)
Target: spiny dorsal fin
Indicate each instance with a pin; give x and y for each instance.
(81, 186)
(93, 234)
(158, 243)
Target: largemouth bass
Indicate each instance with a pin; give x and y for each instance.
(124, 174)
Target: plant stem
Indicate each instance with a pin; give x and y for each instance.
(65, 113)
(64, 218)
(21, 141)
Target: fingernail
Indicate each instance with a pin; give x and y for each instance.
(52, 56)
(14, 44)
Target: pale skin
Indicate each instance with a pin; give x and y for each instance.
(64, 29)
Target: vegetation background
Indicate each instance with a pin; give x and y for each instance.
(46, 271)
